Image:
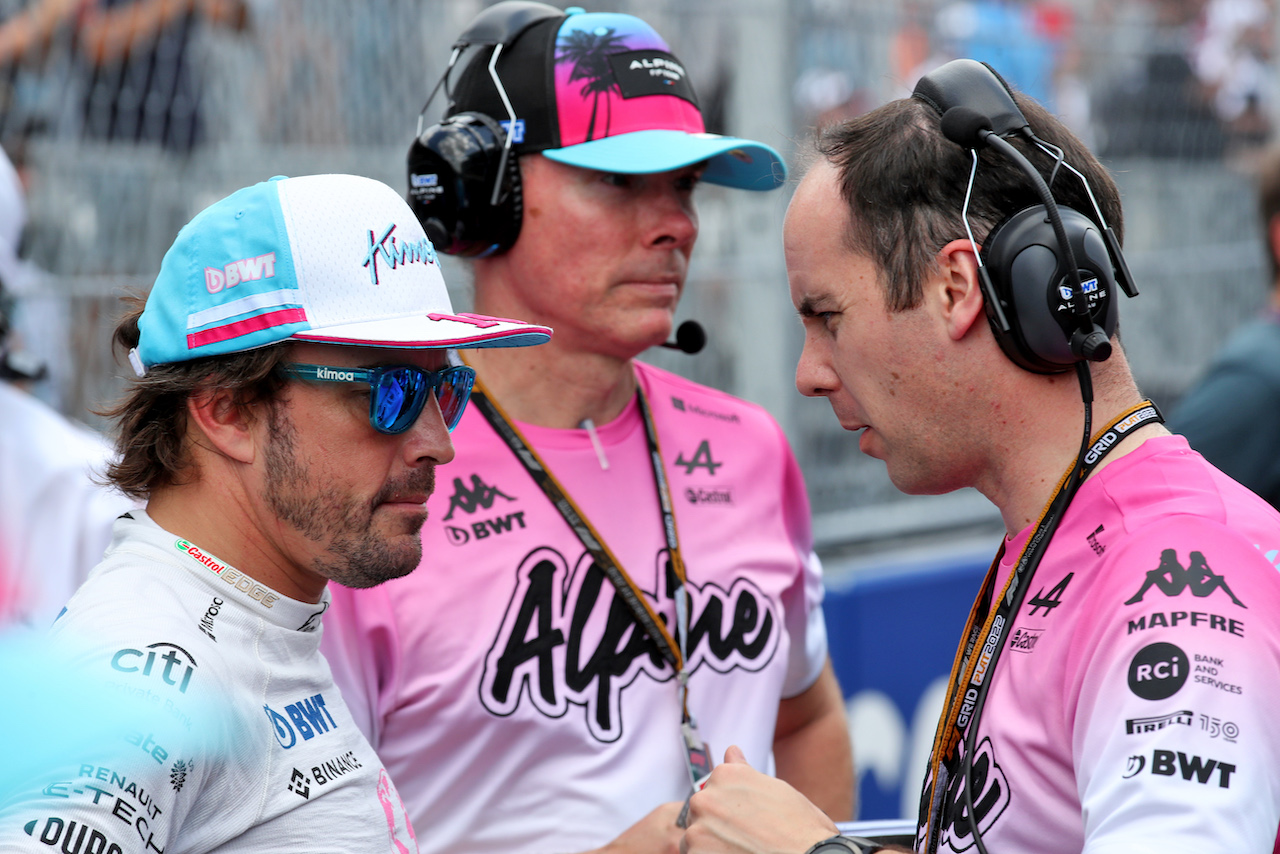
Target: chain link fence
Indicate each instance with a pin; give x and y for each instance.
(126, 118)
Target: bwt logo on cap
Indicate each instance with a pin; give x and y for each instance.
(244, 270)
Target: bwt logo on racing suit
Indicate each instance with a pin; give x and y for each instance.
(570, 639)
(307, 717)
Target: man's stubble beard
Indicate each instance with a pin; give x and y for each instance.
(355, 554)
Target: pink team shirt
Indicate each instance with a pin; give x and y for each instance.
(1133, 707)
(507, 689)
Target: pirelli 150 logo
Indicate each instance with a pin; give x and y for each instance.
(566, 638)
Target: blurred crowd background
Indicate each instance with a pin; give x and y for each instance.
(125, 117)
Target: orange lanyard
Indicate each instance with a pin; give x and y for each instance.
(974, 664)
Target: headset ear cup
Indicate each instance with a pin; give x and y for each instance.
(452, 168)
(1028, 274)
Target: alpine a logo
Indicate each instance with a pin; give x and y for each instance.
(566, 638)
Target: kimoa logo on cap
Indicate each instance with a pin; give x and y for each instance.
(396, 253)
(244, 270)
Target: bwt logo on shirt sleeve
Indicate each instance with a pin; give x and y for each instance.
(244, 270)
(308, 718)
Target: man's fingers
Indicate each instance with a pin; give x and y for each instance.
(735, 754)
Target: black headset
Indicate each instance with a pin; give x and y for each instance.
(1048, 272)
(464, 180)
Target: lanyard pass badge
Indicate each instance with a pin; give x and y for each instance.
(697, 758)
(696, 754)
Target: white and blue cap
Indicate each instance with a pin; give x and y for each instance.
(332, 259)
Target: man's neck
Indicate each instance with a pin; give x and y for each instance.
(551, 387)
(217, 519)
(1030, 458)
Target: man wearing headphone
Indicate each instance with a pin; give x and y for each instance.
(953, 259)
(622, 579)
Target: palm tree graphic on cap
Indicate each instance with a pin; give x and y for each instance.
(588, 51)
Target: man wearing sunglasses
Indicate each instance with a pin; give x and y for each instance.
(294, 395)
(622, 575)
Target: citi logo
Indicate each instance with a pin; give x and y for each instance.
(244, 270)
(326, 373)
(177, 669)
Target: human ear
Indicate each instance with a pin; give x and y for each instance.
(225, 424)
(957, 288)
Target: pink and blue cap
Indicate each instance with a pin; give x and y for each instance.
(332, 259)
(603, 91)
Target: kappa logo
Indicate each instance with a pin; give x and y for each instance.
(1171, 578)
(701, 459)
(480, 495)
(567, 638)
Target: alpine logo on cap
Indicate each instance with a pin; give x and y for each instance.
(650, 72)
(394, 253)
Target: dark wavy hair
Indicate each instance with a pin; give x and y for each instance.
(904, 183)
(151, 417)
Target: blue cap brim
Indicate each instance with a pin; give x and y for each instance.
(731, 162)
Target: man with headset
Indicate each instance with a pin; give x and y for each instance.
(622, 575)
(1115, 686)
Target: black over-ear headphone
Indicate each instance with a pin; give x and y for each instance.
(1048, 273)
(464, 180)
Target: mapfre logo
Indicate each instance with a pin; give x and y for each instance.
(566, 638)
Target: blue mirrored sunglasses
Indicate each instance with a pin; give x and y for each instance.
(399, 392)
